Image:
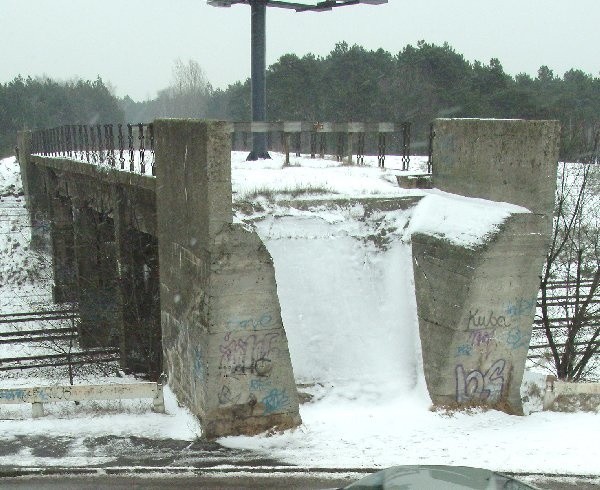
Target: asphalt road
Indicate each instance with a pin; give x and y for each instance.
(240, 480)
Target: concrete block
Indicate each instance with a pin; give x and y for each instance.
(500, 160)
(476, 305)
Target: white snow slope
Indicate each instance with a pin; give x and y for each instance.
(344, 275)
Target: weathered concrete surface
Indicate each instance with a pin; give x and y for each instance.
(500, 160)
(475, 310)
(476, 305)
(225, 348)
(102, 230)
(36, 195)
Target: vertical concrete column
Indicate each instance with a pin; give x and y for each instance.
(63, 252)
(125, 287)
(36, 198)
(137, 292)
(225, 349)
(96, 276)
(476, 304)
(62, 240)
(501, 160)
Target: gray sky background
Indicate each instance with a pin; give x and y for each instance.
(133, 43)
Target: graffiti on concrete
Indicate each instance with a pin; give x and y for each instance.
(198, 363)
(275, 400)
(489, 320)
(243, 354)
(227, 397)
(520, 307)
(464, 350)
(515, 339)
(481, 337)
(477, 386)
(16, 394)
(260, 384)
(480, 340)
(266, 320)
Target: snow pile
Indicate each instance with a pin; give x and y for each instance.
(378, 432)
(10, 178)
(462, 220)
(20, 267)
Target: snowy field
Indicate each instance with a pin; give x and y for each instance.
(351, 322)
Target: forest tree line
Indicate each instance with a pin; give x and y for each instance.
(418, 84)
(31, 103)
(351, 83)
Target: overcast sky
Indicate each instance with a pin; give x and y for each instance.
(133, 43)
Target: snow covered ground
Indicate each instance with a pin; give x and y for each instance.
(345, 283)
(344, 275)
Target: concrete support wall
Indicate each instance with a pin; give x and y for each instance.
(36, 194)
(138, 293)
(225, 349)
(62, 240)
(96, 276)
(476, 305)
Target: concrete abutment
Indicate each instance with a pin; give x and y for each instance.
(225, 348)
(476, 304)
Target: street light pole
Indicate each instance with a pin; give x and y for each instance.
(258, 80)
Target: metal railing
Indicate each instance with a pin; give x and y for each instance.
(130, 147)
(560, 295)
(341, 140)
(124, 146)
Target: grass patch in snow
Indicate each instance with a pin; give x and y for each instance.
(272, 194)
(471, 408)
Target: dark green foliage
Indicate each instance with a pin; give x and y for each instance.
(418, 84)
(43, 103)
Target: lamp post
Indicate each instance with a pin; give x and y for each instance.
(258, 16)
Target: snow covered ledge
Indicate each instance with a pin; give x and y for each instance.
(476, 293)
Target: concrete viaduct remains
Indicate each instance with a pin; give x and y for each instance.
(160, 271)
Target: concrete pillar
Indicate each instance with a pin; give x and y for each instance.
(225, 349)
(476, 305)
(36, 194)
(123, 256)
(63, 251)
(96, 276)
(64, 269)
(137, 293)
(500, 160)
